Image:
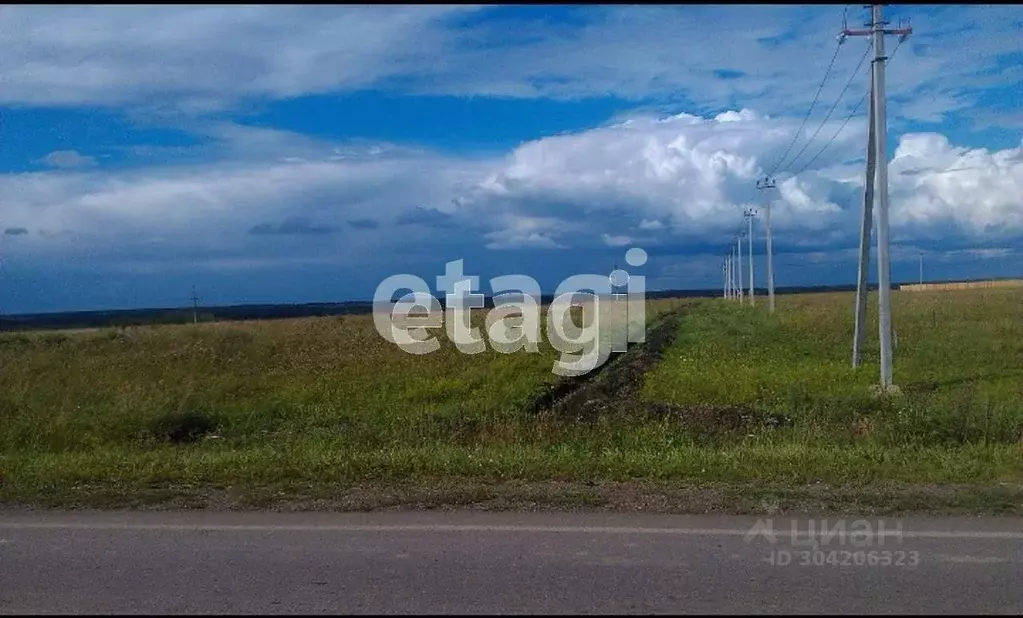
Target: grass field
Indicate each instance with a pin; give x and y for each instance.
(788, 378)
(318, 406)
(959, 363)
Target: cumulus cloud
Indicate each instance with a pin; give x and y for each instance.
(67, 159)
(686, 178)
(682, 176)
(676, 184)
(653, 177)
(978, 191)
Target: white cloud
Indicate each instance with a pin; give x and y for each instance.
(698, 174)
(690, 174)
(205, 56)
(197, 59)
(520, 240)
(68, 159)
(679, 182)
(524, 232)
(675, 180)
(211, 206)
(978, 191)
(615, 241)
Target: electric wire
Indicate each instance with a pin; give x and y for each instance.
(845, 122)
(795, 136)
(838, 100)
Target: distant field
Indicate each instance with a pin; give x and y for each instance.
(961, 285)
(322, 406)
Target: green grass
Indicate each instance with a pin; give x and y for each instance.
(327, 403)
(258, 383)
(959, 364)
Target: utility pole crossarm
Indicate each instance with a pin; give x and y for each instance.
(847, 33)
(902, 33)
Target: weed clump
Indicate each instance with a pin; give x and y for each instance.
(181, 427)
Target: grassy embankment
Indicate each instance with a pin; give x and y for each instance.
(324, 408)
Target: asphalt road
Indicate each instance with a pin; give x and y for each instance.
(462, 562)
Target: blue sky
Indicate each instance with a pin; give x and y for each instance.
(305, 153)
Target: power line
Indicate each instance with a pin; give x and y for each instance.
(795, 136)
(838, 100)
(833, 137)
(769, 184)
(844, 122)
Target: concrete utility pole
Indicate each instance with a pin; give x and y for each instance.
(736, 266)
(195, 307)
(731, 275)
(763, 186)
(731, 272)
(728, 273)
(728, 277)
(749, 214)
(726, 268)
(880, 124)
(738, 249)
(866, 223)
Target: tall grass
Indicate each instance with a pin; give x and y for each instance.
(257, 382)
(326, 400)
(959, 363)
